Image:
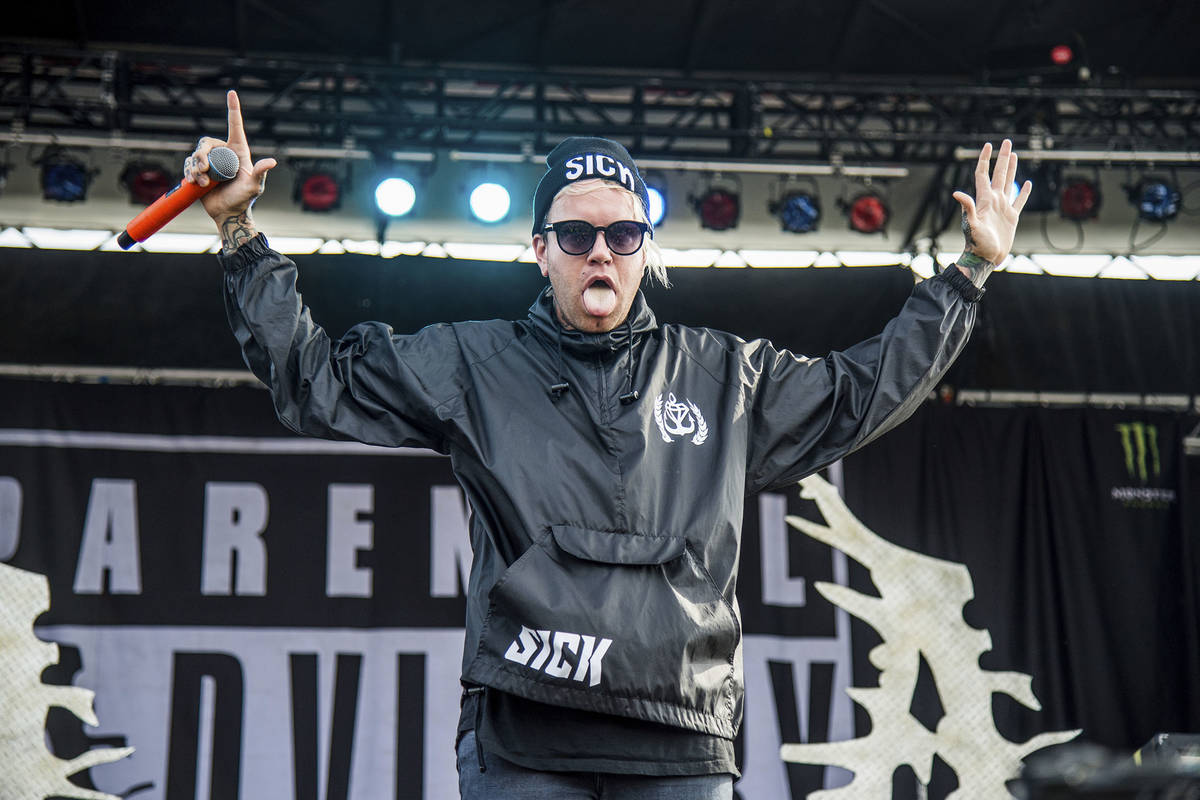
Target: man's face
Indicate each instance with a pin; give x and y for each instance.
(594, 291)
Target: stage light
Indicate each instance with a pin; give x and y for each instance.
(321, 191)
(719, 209)
(490, 202)
(868, 213)
(64, 178)
(1079, 200)
(1045, 178)
(798, 211)
(658, 205)
(1156, 199)
(395, 197)
(145, 182)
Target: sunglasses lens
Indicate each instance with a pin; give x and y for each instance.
(575, 238)
(624, 238)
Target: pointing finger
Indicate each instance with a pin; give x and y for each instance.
(237, 134)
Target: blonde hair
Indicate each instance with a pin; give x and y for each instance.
(656, 268)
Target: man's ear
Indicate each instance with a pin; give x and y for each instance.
(539, 253)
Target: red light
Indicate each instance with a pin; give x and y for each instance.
(868, 214)
(1080, 200)
(1061, 54)
(145, 182)
(319, 192)
(719, 209)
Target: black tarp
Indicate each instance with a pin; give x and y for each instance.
(1035, 332)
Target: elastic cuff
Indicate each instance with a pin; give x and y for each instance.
(962, 284)
(245, 255)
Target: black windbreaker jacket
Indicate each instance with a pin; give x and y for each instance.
(606, 529)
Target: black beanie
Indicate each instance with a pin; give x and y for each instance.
(580, 158)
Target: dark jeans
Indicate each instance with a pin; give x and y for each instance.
(507, 781)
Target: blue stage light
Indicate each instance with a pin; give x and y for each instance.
(490, 202)
(1156, 200)
(395, 196)
(658, 205)
(799, 212)
(64, 179)
(1045, 178)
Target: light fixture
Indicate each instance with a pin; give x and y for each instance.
(318, 190)
(64, 178)
(490, 202)
(798, 211)
(1156, 199)
(1045, 179)
(658, 205)
(1079, 199)
(719, 206)
(145, 181)
(796, 203)
(868, 213)
(1061, 54)
(395, 197)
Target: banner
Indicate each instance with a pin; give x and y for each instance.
(262, 615)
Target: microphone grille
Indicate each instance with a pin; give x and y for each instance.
(222, 163)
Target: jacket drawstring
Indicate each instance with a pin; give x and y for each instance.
(559, 389)
(632, 395)
(481, 691)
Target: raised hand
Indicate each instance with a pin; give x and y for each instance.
(990, 219)
(229, 203)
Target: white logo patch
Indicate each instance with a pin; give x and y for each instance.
(593, 164)
(679, 419)
(559, 652)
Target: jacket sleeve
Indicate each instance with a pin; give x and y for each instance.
(806, 413)
(370, 386)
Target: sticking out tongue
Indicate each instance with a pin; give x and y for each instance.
(599, 299)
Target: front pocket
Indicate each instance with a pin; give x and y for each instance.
(615, 622)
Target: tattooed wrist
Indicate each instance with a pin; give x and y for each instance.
(236, 230)
(975, 267)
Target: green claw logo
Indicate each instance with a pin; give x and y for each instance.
(1135, 436)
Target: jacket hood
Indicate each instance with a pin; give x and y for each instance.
(545, 321)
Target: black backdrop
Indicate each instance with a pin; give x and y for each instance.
(1035, 332)
(1084, 570)
(1079, 533)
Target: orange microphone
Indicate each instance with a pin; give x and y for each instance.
(222, 166)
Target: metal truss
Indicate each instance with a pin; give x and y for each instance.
(172, 96)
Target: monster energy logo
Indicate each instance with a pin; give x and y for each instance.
(1135, 436)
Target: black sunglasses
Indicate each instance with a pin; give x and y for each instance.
(577, 237)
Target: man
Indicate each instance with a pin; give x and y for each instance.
(606, 459)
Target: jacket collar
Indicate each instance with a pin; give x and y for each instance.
(545, 321)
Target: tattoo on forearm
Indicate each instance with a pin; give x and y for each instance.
(236, 231)
(977, 268)
(967, 232)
